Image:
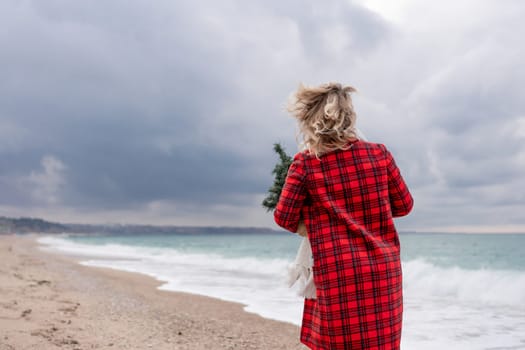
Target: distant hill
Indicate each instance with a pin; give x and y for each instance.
(26, 225)
(36, 225)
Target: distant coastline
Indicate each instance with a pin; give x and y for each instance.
(24, 225)
(36, 225)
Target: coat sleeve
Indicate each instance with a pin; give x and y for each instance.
(287, 213)
(401, 200)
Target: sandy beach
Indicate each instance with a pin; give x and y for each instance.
(49, 301)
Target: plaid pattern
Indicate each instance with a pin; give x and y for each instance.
(348, 199)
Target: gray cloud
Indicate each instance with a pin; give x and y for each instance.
(166, 111)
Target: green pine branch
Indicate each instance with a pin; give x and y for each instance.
(280, 171)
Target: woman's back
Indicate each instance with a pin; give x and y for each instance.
(358, 189)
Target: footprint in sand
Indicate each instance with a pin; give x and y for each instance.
(12, 305)
(25, 313)
(19, 276)
(45, 333)
(40, 283)
(50, 335)
(72, 309)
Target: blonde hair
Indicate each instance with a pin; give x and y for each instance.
(326, 116)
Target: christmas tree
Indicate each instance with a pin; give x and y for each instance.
(280, 171)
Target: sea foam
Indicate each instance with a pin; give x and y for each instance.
(484, 286)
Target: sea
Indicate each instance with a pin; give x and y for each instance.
(461, 291)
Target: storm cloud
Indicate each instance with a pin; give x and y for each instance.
(166, 111)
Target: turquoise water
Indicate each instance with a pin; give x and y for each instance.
(278, 245)
(461, 291)
(469, 251)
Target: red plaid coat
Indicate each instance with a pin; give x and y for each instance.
(348, 199)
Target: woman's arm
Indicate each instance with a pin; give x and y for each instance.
(401, 200)
(287, 214)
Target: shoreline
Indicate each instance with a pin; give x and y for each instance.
(49, 299)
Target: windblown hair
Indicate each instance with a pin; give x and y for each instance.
(326, 117)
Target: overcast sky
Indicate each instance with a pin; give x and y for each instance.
(165, 112)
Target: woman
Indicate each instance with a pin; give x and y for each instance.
(347, 192)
